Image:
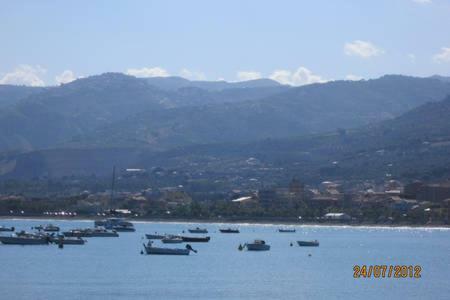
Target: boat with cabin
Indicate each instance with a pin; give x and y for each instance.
(195, 239)
(198, 230)
(257, 245)
(172, 239)
(23, 238)
(3, 229)
(152, 250)
(61, 239)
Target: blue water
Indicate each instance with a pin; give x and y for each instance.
(113, 268)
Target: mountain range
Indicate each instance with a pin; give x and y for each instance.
(379, 127)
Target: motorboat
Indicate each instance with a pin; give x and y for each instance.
(124, 228)
(229, 230)
(314, 243)
(195, 239)
(154, 236)
(3, 228)
(150, 249)
(61, 239)
(286, 230)
(99, 232)
(117, 224)
(198, 230)
(24, 238)
(257, 245)
(78, 233)
(172, 240)
(51, 228)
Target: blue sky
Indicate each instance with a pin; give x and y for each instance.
(296, 42)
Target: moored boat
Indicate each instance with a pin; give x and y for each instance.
(198, 230)
(117, 224)
(172, 240)
(286, 230)
(123, 228)
(24, 239)
(314, 243)
(257, 245)
(154, 236)
(78, 233)
(67, 240)
(149, 249)
(51, 228)
(195, 239)
(229, 230)
(3, 228)
(98, 232)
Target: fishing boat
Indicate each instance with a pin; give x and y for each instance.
(3, 228)
(99, 232)
(198, 230)
(154, 236)
(172, 240)
(314, 243)
(24, 239)
(286, 230)
(257, 245)
(229, 230)
(150, 249)
(51, 228)
(124, 228)
(78, 233)
(67, 240)
(195, 239)
(117, 224)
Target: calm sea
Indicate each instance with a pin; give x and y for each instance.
(113, 268)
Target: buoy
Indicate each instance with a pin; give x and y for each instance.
(142, 252)
(309, 255)
(60, 245)
(291, 244)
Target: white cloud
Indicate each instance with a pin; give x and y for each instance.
(192, 75)
(353, 77)
(248, 75)
(301, 76)
(65, 77)
(362, 49)
(148, 72)
(443, 56)
(422, 1)
(25, 75)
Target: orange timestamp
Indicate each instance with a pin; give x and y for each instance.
(387, 271)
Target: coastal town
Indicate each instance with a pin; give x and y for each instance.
(140, 194)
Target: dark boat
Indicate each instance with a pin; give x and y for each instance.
(193, 239)
(229, 230)
(198, 230)
(314, 243)
(23, 238)
(3, 228)
(154, 236)
(67, 240)
(78, 233)
(124, 228)
(286, 230)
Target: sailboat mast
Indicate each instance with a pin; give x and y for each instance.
(113, 184)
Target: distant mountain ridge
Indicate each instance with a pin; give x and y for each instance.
(114, 110)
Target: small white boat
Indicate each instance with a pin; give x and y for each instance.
(257, 245)
(149, 249)
(198, 230)
(67, 240)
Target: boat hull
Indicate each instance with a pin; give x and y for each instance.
(69, 241)
(193, 239)
(229, 230)
(198, 231)
(10, 240)
(165, 251)
(154, 236)
(286, 230)
(258, 247)
(308, 243)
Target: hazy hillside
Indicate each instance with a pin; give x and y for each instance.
(12, 94)
(115, 110)
(414, 145)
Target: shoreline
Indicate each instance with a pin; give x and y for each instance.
(241, 222)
